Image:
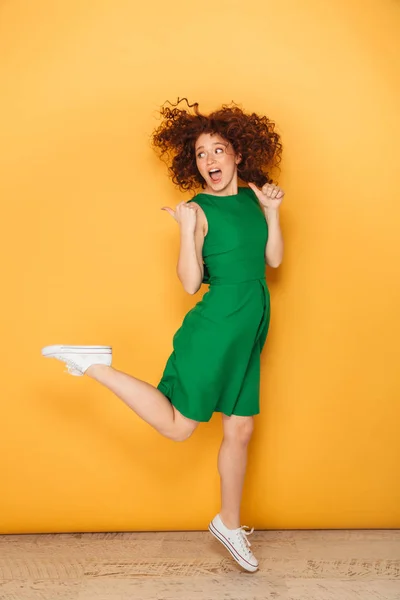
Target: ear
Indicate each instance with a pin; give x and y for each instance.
(238, 159)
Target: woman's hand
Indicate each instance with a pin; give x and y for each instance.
(185, 215)
(270, 196)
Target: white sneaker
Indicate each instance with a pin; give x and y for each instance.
(235, 540)
(79, 358)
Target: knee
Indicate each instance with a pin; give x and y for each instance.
(242, 432)
(245, 431)
(182, 434)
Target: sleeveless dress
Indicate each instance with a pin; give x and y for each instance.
(215, 363)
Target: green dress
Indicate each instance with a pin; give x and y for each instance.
(215, 363)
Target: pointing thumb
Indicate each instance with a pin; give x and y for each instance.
(169, 210)
(254, 187)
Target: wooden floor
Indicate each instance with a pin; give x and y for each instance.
(294, 565)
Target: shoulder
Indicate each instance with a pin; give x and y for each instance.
(201, 217)
(198, 199)
(246, 191)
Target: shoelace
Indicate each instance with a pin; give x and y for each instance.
(72, 367)
(242, 534)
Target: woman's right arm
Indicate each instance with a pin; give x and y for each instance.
(193, 227)
(190, 269)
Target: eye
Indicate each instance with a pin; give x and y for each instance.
(219, 149)
(200, 154)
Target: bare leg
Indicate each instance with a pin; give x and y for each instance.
(146, 401)
(232, 462)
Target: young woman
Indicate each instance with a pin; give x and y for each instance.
(227, 235)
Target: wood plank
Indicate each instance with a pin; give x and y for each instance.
(294, 565)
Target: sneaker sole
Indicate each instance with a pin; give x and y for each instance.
(241, 561)
(51, 350)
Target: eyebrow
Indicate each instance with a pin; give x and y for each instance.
(214, 144)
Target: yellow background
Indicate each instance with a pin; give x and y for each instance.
(88, 257)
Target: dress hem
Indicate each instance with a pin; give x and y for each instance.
(167, 393)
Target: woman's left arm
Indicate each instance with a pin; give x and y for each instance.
(270, 198)
(274, 246)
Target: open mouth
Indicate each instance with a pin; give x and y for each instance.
(215, 174)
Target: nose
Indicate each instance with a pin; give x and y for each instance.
(210, 159)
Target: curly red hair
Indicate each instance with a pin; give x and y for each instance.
(250, 135)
